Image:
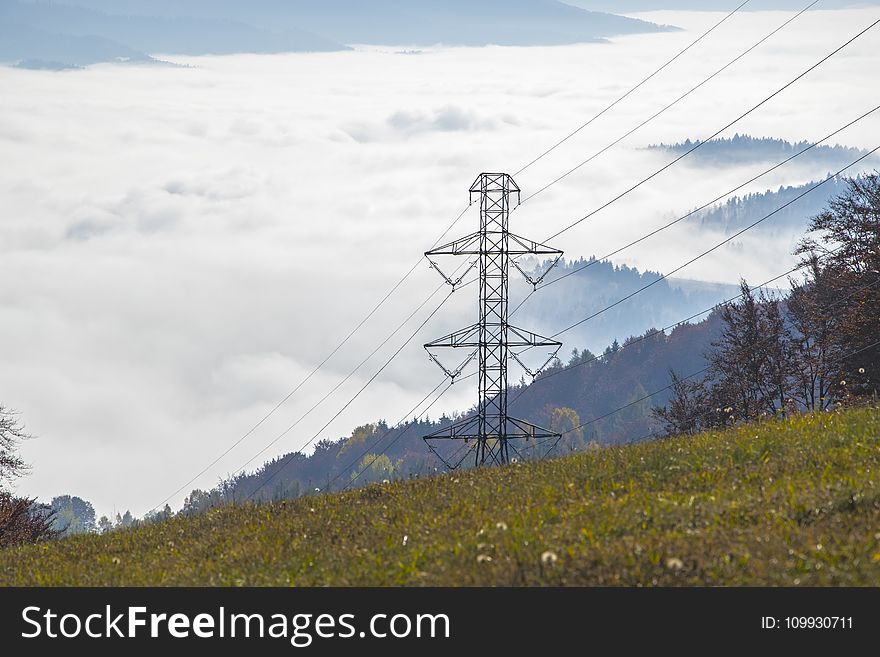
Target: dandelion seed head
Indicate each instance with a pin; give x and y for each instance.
(549, 558)
(674, 563)
(501, 525)
(483, 558)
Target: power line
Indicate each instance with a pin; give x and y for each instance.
(714, 135)
(633, 89)
(320, 365)
(313, 407)
(674, 102)
(287, 458)
(692, 212)
(396, 427)
(348, 376)
(397, 437)
(387, 362)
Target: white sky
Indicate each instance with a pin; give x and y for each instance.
(180, 246)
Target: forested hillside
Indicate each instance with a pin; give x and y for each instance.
(588, 286)
(740, 211)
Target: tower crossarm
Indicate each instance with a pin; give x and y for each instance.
(517, 337)
(466, 337)
(469, 245)
(523, 246)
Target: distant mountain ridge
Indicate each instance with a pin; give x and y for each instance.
(78, 36)
(387, 22)
(31, 47)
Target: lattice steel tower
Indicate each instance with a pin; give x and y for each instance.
(492, 340)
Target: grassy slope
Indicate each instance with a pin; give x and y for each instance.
(794, 502)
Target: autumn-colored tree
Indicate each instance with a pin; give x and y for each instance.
(566, 421)
(846, 237)
(374, 467)
(687, 410)
(814, 311)
(22, 521)
(751, 368)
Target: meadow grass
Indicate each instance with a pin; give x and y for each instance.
(789, 502)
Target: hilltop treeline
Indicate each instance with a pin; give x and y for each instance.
(744, 149)
(740, 211)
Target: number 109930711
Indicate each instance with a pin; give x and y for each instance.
(807, 622)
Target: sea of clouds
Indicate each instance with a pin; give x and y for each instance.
(180, 246)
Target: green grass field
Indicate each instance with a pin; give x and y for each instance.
(794, 502)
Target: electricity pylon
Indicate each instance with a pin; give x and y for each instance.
(492, 339)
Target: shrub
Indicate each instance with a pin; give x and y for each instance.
(23, 521)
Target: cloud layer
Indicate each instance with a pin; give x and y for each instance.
(181, 246)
